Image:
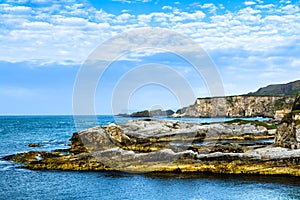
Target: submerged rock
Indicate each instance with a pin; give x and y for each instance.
(34, 145)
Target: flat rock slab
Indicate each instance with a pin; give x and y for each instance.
(146, 146)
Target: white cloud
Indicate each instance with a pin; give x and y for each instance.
(249, 10)
(265, 6)
(40, 1)
(123, 18)
(37, 25)
(123, 1)
(211, 6)
(295, 63)
(257, 42)
(175, 17)
(249, 3)
(59, 32)
(167, 7)
(198, 15)
(290, 9)
(15, 9)
(133, 1)
(17, 1)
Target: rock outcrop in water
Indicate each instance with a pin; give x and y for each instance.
(149, 145)
(239, 106)
(152, 113)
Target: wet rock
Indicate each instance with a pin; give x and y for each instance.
(34, 145)
(28, 157)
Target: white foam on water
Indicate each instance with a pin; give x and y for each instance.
(7, 168)
(6, 165)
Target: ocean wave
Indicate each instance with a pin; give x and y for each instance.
(6, 168)
(6, 165)
(10, 166)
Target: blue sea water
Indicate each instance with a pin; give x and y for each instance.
(54, 132)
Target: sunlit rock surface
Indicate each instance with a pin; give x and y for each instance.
(149, 145)
(239, 106)
(288, 133)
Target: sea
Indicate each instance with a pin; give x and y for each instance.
(54, 132)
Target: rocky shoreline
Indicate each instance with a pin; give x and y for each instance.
(151, 145)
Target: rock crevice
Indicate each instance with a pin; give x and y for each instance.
(288, 133)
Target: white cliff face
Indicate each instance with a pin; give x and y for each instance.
(296, 117)
(298, 134)
(239, 106)
(279, 114)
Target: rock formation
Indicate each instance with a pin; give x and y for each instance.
(273, 101)
(288, 133)
(149, 145)
(238, 106)
(152, 113)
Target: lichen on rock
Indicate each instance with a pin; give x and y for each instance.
(148, 145)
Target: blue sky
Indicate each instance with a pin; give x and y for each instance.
(253, 43)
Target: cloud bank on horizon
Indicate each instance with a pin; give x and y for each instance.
(253, 43)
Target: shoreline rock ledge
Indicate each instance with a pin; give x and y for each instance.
(151, 145)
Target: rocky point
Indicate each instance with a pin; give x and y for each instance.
(148, 145)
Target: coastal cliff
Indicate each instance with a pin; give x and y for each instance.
(273, 101)
(152, 145)
(239, 106)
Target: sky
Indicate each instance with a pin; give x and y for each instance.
(45, 44)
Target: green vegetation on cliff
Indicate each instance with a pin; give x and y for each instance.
(256, 123)
(288, 89)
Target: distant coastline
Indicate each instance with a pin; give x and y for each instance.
(272, 101)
